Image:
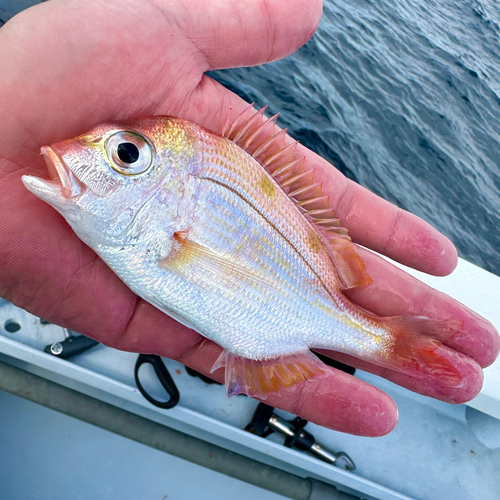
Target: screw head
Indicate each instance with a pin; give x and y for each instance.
(56, 349)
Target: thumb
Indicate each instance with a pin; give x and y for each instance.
(230, 34)
(68, 65)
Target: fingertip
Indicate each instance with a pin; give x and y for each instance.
(446, 257)
(346, 404)
(272, 29)
(381, 416)
(478, 339)
(473, 378)
(315, 10)
(429, 250)
(298, 19)
(491, 347)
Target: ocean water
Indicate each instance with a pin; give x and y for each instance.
(403, 96)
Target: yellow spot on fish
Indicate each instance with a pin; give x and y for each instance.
(267, 186)
(314, 242)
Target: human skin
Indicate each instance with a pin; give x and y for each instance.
(68, 65)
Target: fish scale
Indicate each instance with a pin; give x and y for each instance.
(291, 293)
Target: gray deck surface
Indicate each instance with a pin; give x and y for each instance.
(45, 455)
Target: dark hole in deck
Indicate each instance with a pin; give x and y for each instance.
(12, 326)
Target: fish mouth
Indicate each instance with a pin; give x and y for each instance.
(60, 174)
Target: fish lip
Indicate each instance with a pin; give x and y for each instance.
(46, 190)
(60, 173)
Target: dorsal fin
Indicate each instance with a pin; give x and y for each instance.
(260, 137)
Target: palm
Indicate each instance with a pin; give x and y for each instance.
(68, 65)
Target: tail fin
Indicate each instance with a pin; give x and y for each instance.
(416, 348)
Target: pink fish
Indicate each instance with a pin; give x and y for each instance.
(231, 236)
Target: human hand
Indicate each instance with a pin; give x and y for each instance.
(70, 65)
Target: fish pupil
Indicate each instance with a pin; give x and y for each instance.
(128, 152)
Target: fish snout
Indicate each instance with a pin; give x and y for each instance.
(60, 173)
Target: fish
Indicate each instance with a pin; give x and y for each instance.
(231, 235)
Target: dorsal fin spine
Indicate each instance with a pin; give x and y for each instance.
(265, 145)
(227, 133)
(340, 231)
(310, 201)
(244, 129)
(315, 213)
(304, 189)
(252, 136)
(287, 166)
(325, 222)
(298, 177)
(292, 146)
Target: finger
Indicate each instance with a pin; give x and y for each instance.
(431, 386)
(338, 400)
(230, 34)
(396, 293)
(116, 67)
(382, 226)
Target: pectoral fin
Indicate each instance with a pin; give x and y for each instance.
(201, 264)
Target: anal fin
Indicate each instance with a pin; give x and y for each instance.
(263, 378)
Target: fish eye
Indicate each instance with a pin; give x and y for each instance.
(129, 153)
